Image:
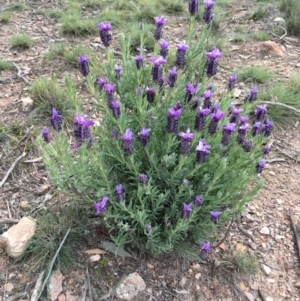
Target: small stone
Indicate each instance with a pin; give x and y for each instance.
(55, 285)
(297, 284)
(222, 246)
(197, 286)
(71, 297)
(25, 205)
(9, 287)
(279, 21)
(296, 124)
(150, 266)
(243, 286)
(61, 297)
(279, 201)
(240, 247)
(27, 104)
(268, 298)
(97, 40)
(271, 172)
(266, 269)
(18, 236)
(183, 281)
(236, 93)
(43, 189)
(94, 258)
(197, 276)
(278, 238)
(196, 267)
(190, 271)
(265, 231)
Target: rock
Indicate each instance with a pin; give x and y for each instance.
(279, 21)
(297, 284)
(279, 201)
(265, 231)
(272, 173)
(183, 281)
(266, 269)
(9, 287)
(55, 285)
(27, 104)
(18, 236)
(236, 93)
(243, 286)
(129, 286)
(278, 238)
(61, 297)
(197, 276)
(196, 267)
(268, 47)
(70, 297)
(97, 40)
(190, 271)
(240, 247)
(94, 258)
(150, 266)
(25, 205)
(43, 189)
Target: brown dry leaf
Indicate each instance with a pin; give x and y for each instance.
(222, 246)
(240, 247)
(95, 251)
(268, 47)
(243, 286)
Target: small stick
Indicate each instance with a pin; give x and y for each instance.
(83, 288)
(281, 104)
(20, 73)
(26, 135)
(284, 153)
(297, 240)
(8, 209)
(89, 283)
(52, 262)
(246, 233)
(226, 233)
(12, 168)
(14, 297)
(275, 160)
(37, 287)
(8, 221)
(260, 226)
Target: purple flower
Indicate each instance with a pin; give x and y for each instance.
(173, 116)
(45, 135)
(190, 91)
(181, 51)
(148, 227)
(252, 95)
(139, 61)
(160, 22)
(185, 182)
(228, 129)
(119, 193)
(100, 82)
(114, 134)
(210, 87)
(242, 132)
(267, 127)
(215, 108)
(247, 146)
(115, 107)
(177, 105)
(200, 119)
(260, 165)
(109, 90)
(164, 48)
(208, 15)
(118, 70)
(101, 205)
(212, 61)
(193, 7)
(260, 112)
(56, 120)
(214, 216)
(205, 248)
(207, 95)
(235, 113)
(186, 139)
(82, 130)
(256, 128)
(198, 200)
(172, 77)
(267, 149)
(105, 34)
(144, 136)
(202, 150)
(214, 121)
(232, 81)
(156, 69)
(150, 93)
(127, 139)
(186, 210)
(243, 119)
(83, 65)
(142, 178)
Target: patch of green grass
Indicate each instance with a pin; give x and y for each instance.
(261, 35)
(116, 18)
(294, 82)
(20, 41)
(6, 65)
(239, 29)
(18, 6)
(55, 13)
(291, 10)
(147, 13)
(239, 37)
(244, 263)
(255, 74)
(172, 6)
(93, 4)
(47, 93)
(5, 17)
(259, 13)
(218, 41)
(281, 93)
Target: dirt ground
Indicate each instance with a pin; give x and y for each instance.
(263, 230)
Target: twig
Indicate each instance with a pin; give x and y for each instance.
(14, 297)
(26, 135)
(8, 209)
(261, 296)
(296, 235)
(246, 233)
(280, 37)
(275, 160)
(260, 226)
(20, 73)
(12, 168)
(226, 233)
(89, 283)
(281, 104)
(83, 288)
(284, 153)
(37, 287)
(52, 262)
(8, 221)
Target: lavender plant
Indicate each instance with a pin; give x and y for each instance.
(169, 164)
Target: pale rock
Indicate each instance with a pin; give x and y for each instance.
(183, 281)
(55, 285)
(197, 276)
(25, 205)
(279, 201)
(269, 47)
(97, 40)
(18, 236)
(190, 271)
(272, 173)
(268, 298)
(236, 93)
(278, 238)
(279, 21)
(197, 286)
(71, 297)
(266, 269)
(27, 104)
(196, 267)
(61, 297)
(9, 287)
(297, 284)
(94, 258)
(150, 266)
(130, 286)
(265, 231)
